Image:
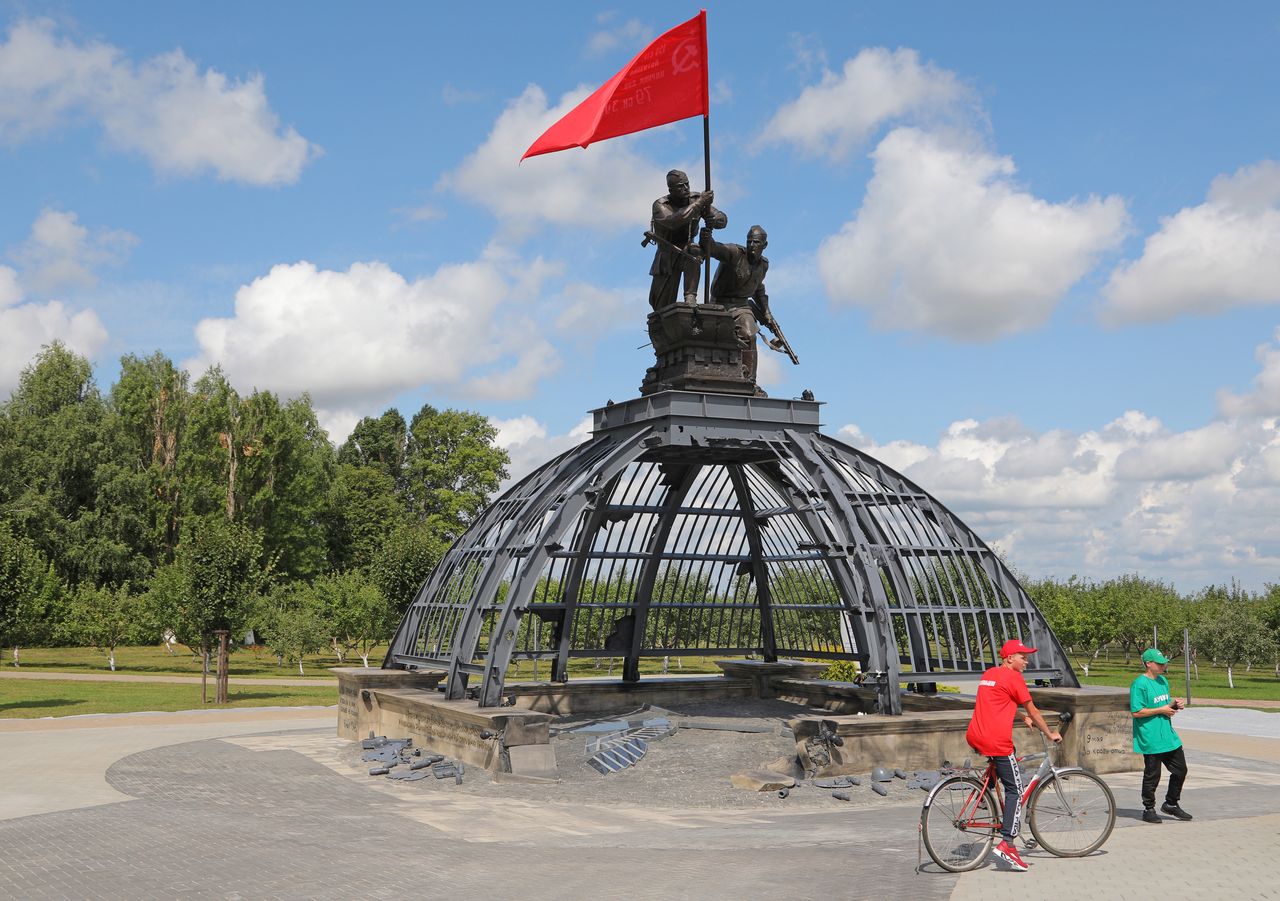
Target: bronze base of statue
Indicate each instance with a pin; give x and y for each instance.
(696, 350)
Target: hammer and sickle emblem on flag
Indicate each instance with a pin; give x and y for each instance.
(684, 57)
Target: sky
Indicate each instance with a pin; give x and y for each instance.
(1029, 255)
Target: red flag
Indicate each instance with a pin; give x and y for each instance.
(666, 82)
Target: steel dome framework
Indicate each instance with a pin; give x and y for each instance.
(694, 523)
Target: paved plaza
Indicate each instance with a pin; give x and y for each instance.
(269, 804)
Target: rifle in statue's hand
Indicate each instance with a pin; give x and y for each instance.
(651, 238)
(779, 342)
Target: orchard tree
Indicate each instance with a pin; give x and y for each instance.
(294, 620)
(355, 612)
(210, 585)
(1233, 632)
(103, 618)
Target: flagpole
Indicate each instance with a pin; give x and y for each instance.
(706, 164)
(706, 143)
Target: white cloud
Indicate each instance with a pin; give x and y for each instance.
(10, 289)
(182, 119)
(1264, 399)
(354, 339)
(1221, 254)
(588, 311)
(423, 213)
(526, 440)
(567, 188)
(26, 327)
(1193, 506)
(631, 33)
(947, 242)
(63, 253)
(878, 85)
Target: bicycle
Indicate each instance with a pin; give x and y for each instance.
(1070, 811)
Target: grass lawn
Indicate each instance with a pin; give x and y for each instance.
(35, 698)
(1259, 685)
(155, 660)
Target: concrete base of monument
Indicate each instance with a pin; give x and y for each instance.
(740, 679)
(399, 704)
(1099, 736)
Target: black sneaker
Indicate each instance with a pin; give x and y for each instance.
(1150, 816)
(1174, 810)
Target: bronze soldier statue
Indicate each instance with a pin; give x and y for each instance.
(739, 287)
(675, 224)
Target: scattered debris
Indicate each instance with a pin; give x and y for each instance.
(783, 792)
(761, 780)
(925, 779)
(879, 789)
(617, 755)
(899, 774)
(841, 796)
(410, 775)
(839, 782)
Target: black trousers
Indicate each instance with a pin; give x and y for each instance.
(1011, 778)
(1176, 763)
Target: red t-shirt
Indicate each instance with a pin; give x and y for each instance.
(1000, 693)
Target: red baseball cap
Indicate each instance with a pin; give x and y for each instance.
(1013, 646)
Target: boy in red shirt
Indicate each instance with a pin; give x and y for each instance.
(1001, 691)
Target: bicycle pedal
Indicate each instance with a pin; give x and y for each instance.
(1030, 844)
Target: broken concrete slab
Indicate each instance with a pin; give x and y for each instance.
(538, 761)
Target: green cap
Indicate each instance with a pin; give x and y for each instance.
(1151, 655)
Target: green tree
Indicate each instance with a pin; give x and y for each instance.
(103, 618)
(356, 613)
(264, 464)
(403, 563)
(452, 466)
(293, 618)
(29, 592)
(377, 444)
(149, 410)
(50, 484)
(1232, 631)
(210, 585)
(363, 511)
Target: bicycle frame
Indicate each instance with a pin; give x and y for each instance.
(968, 819)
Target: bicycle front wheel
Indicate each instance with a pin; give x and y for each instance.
(958, 823)
(1072, 813)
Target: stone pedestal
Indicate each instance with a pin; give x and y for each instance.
(591, 696)
(1099, 736)
(400, 704)
(357, 707)
(764, 674)
(695, 350)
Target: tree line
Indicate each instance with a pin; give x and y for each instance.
(166, 505)
(1227, 624)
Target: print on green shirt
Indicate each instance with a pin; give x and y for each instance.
(1152, 734)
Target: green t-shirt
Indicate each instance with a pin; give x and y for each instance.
(1152, 734)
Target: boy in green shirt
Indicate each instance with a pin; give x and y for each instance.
(1154, 738)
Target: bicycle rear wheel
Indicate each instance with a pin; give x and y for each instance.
(958, 823)
(1072, 814)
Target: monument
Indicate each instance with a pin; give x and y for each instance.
(700, 518)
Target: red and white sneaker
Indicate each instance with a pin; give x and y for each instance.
(1009, 854)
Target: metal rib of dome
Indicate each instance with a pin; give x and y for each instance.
(707, 524)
